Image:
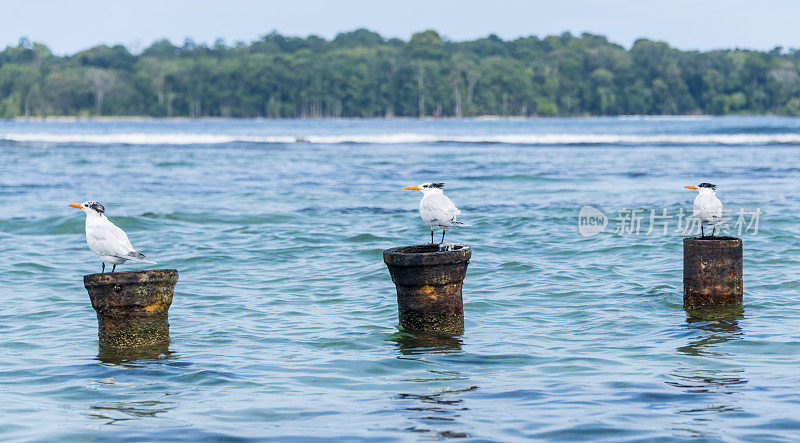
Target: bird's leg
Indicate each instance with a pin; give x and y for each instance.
(104, 267)
(713, 230)
(443, 231)
(701, 231)
(431, 234)
(113, 268)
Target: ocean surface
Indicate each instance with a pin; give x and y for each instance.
(284, 321)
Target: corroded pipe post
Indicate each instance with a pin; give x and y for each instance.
(132, 307)
(428, 280)
(712, 272)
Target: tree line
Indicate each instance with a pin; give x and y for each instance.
(362, 74)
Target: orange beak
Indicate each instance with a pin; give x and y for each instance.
(412, 188)
(691, 187)
(76, 205)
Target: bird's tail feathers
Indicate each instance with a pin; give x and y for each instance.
(458, 223)
(140, 258)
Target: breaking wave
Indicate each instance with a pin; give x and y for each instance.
(136, 138)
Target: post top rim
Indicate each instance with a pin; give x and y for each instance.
(711, 239)
(426, 254)
(128, 277)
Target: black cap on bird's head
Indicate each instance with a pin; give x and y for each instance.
(90, 205)
(96, 206)
(702, 186)
(426, 185)
(707, 185)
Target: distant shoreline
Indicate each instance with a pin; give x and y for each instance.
(361, 74)
(136, 118)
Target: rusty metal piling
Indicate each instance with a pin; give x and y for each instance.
(712, 272)
(428, 279)
(132, 307)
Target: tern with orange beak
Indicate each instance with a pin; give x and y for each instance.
(435, 208)
(106, 239)
(707, 207)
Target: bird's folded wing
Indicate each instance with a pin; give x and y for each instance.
(109, 239)
(440, 208)
(716, 208)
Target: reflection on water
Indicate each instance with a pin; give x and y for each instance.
(435, 412)
(718, 326)
(707, 380)
(116, 355)
(422, 344)
(706, 372)
(117, 411)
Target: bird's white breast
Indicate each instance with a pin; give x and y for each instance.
(105, 238)
(708, 208)
(438, 210)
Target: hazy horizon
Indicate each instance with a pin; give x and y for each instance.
(70, 28)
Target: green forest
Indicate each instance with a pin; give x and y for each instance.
(362, 74)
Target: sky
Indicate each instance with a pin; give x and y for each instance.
(70, 26)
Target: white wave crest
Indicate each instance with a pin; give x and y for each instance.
(142, 138)
(566, 139)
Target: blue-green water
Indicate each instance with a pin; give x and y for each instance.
(284, 319)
